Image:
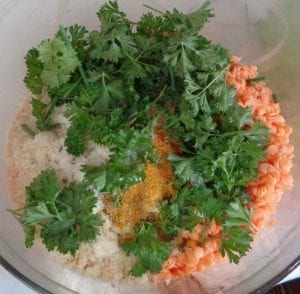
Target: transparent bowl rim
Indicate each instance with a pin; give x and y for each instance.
(261, 289)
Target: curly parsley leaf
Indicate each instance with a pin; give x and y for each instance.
(258, 133)
(103, 128)
(237, 215)
(236, 118)
(196, 96)
(76, 138)
(78, 37)
(65, 215)
(184, 167)
(132, 149)
(150, 251)
(58, 60)
(76, 222)
(110, 16)
(43, 190)
(112, 47)
(39, 110)
(136, 69)
(37, 214)
(94, 176)
(177, 55)
(29, 232)
(236, 239)
(191, 207)
(198, 18)
(35, 67)
(237, 245)
(150, 25)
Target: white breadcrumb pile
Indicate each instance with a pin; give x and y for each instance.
(27, 157)
(103, 258)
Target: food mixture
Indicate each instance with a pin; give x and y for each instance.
(147, 153)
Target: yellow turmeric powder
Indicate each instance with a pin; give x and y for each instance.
(137, 202)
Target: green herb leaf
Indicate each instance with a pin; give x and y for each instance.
(35, 68)
(95, 176)
(236, 241)
(237, 215)
(39, 111)
(37, 214)
(237, 117)
(75, 141)
(66, 216)
(42, 191)
(183, 167)
(199, 17)
(151, 252)
(58, 60)
(43, 188)
(237, 245)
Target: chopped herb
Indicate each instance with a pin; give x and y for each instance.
(150, 251)
(257, 79)
(65, 215)
(28, 130)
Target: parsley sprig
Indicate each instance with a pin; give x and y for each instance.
(150, 251)
(64, 215)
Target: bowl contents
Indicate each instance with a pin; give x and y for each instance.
(147, 151)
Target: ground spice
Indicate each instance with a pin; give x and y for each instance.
(140, 200)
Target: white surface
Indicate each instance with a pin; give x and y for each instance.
(293, 275)
(9, 284)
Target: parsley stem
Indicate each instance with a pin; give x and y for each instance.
(173, 87)
(229, 133)
(71, 88)
(49, 111)
(132, 121)
(85, 80)
(16, 214)
(162, 92)
(28, 130)
(15, 211)
(257, 79)
(148, 42)
(66, 38)
(174, 121)
(275, 98)
(153, 9)
(213, 81)
(224, 134)
(51, 107)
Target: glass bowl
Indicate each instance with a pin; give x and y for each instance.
(264, 33)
